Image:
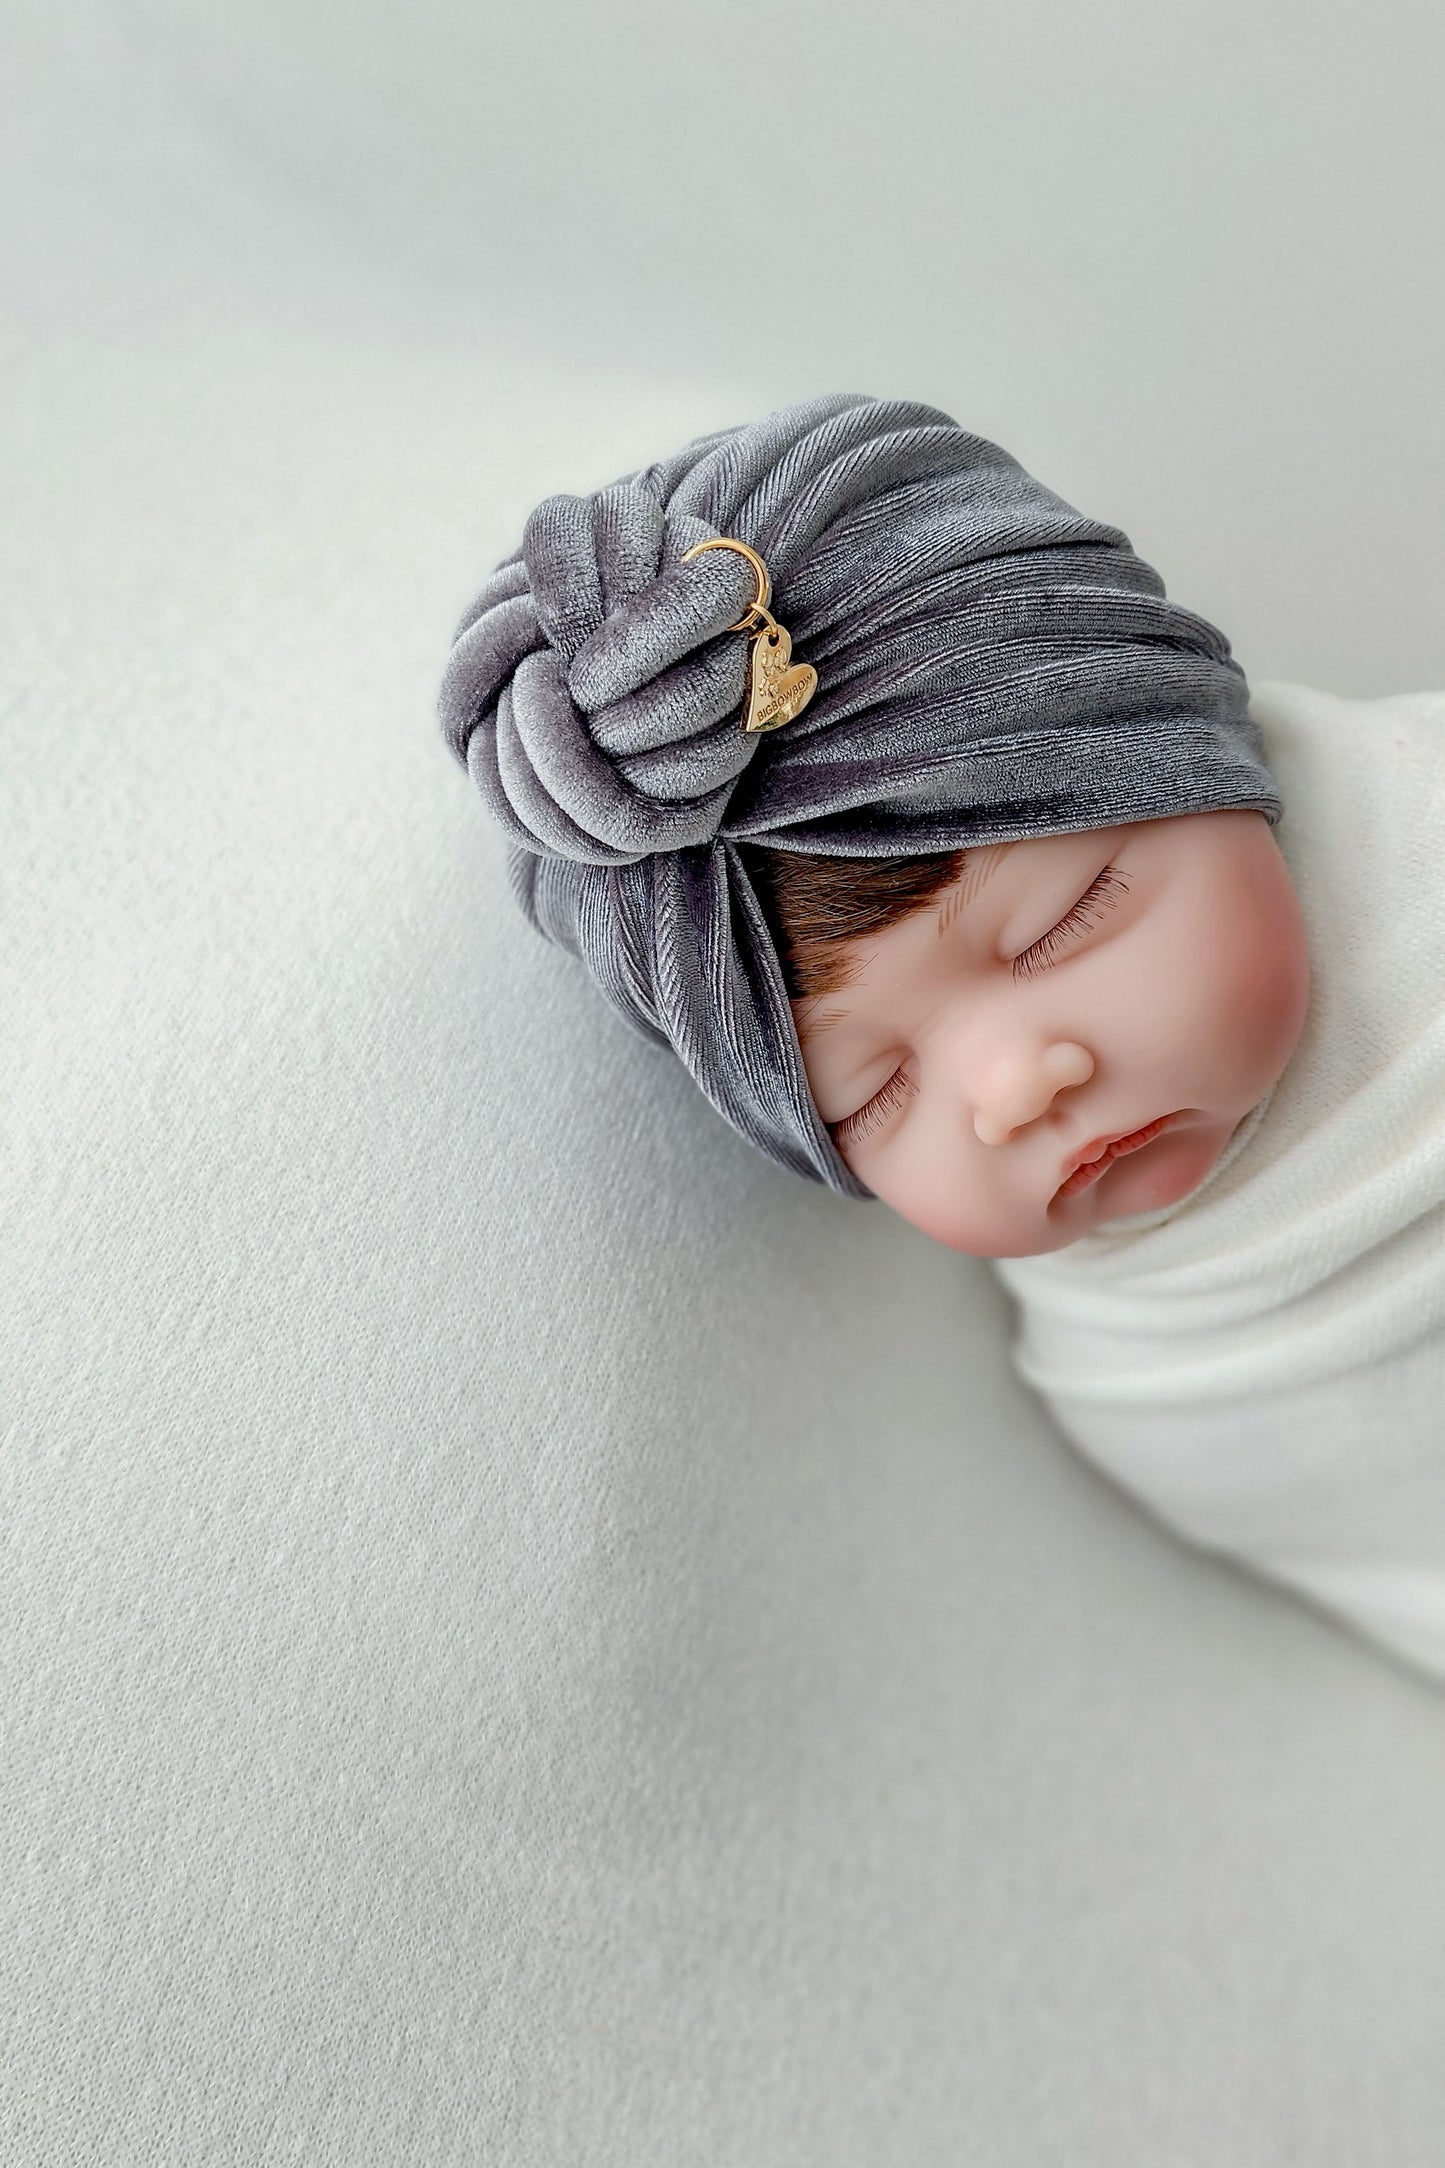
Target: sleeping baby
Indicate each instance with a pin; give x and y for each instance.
(1001, 902)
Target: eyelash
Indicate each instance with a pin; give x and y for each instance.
(1037, 957)
(1076, 919)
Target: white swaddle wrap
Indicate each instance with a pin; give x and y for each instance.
(1262, 1364)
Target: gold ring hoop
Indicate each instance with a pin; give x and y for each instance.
(765, 585)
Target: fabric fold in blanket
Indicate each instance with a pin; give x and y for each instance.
(1262, 1364)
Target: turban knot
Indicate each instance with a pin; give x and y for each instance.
(593, 688)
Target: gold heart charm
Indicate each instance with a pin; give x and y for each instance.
(775, 693)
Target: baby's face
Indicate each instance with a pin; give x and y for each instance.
(1065, 990)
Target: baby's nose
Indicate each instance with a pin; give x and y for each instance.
(1026, 1089)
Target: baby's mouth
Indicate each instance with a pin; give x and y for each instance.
(1084, 1176)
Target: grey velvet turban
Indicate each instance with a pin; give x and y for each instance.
(991, 665)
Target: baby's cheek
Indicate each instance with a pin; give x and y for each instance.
(931, 1217)
(938, 1198)
(1271, 979)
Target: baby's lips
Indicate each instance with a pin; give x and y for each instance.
(1116, 1146)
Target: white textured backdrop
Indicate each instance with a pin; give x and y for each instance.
(494, 1664)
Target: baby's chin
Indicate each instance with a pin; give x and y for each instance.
(1159, 1174)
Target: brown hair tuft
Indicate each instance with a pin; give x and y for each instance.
(814, 905)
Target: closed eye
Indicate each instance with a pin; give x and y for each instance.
(899, 1088)
(1102, 895)
(1104, 892)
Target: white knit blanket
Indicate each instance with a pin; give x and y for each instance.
(1262, 1364)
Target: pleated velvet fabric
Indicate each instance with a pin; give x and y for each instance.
(992, 664)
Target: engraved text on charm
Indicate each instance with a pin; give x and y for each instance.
(775, 693)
